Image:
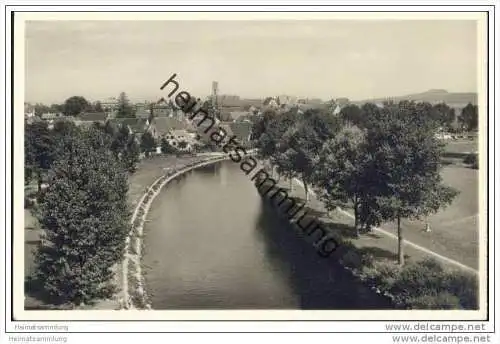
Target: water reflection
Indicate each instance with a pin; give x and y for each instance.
(320, 283)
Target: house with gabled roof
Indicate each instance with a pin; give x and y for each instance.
(236, 115)
(135, 125)
(143, 114)
(100, 117)
(242, 131)
(161, 126)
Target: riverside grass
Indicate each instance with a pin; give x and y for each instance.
(419, 284)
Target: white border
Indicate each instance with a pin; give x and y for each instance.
(238, 326)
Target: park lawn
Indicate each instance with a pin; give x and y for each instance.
(461, 146)
(454, 230)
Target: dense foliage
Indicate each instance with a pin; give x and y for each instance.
(75, 105)
(148, 143)
(84, 216)
(384, 162)
(125, 109)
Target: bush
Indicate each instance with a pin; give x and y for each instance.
(442, 300)
(355, 258)
(472, 159)
(425, 284)
(419, 278)
(464, 286)
(382, 274)
(29, 202)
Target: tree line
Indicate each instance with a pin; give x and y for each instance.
(76, 105)
(82, 208)
(441, 114)
(382, 162)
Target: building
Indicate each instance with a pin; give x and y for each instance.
(285, 99)
(162, 126)
(271, 102)
(109, 104)
(29, 111)
(93, 116)
(235, 115)
(87, 118)
(242, 131)
(142, 110)
(161, 109)
(136, 126)
(50, 116)
(175, 138)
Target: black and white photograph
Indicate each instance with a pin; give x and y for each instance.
(251, 166)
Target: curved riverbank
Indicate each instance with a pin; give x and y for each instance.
(136, 297)
(212, 243)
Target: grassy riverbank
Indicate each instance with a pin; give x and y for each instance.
(147, 172)
(422, 283)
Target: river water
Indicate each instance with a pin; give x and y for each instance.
(212, 243)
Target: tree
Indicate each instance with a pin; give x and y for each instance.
(269, 132)
(56, 108)
(405, 165)
(39, 145)
(305, 139)
(84, 216)
(354, 115)
(75, 105)
(62, 128)
(443, 114)
(130, 156)
(260, 123)
(125, 109)
(29, 158)
(40, 109)
(110, 129)
(148, 143)
(166, 147)
(341, 172)
(469, 117)
(183, 145)
(98, 107)
(151, 112)
(121, 138)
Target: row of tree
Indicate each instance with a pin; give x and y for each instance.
(83, 210)
(76, 105)
(385, 167)
(43, 146)
(442, 114)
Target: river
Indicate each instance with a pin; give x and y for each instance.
(212, 243)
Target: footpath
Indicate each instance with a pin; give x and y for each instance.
(380, 243)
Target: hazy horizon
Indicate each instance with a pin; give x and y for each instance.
(252, 59)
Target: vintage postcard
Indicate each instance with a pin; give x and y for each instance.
(250, 166)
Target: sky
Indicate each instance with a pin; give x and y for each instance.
(253, 59)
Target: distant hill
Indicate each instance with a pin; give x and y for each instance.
(431, 96)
